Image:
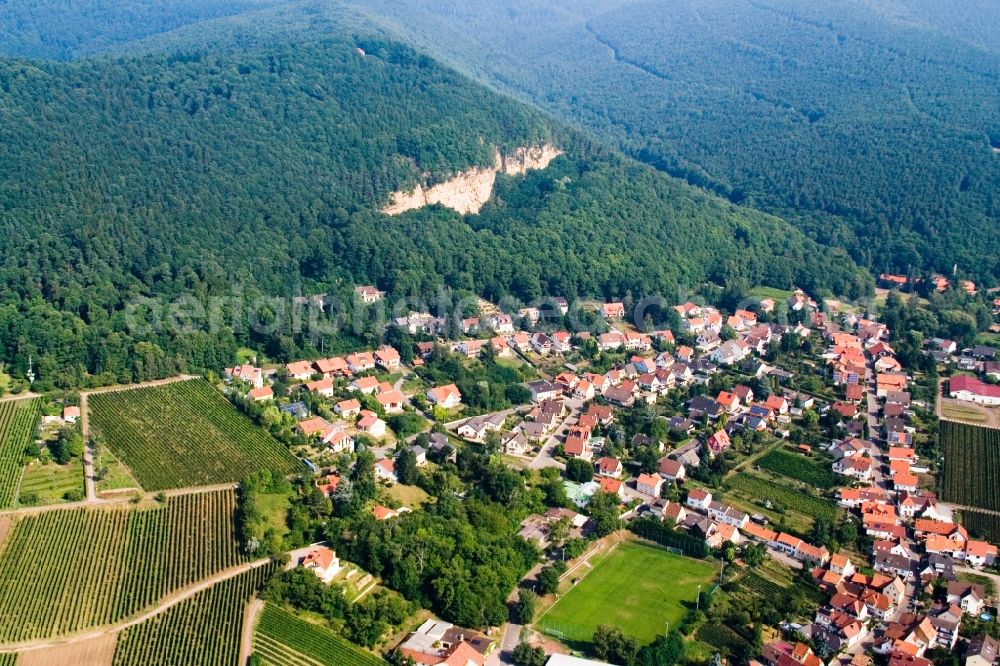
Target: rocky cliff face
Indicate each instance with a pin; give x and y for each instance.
(467, 191)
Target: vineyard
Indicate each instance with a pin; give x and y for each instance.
(18, 419)
(205, 629)
(760, 490)
(91, 567)
(982, 524)
(796, 466)
(754, 586)
(284, 640)
(723, 638)
(184, 434)
(971, 465)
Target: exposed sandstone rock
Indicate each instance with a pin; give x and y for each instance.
(467, 191)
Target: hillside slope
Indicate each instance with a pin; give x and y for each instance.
(263, 171)
(868, 124)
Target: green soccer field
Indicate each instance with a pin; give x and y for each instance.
(637, 587)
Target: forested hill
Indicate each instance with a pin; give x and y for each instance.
(58, 29)
(869, 124)
(264, 171)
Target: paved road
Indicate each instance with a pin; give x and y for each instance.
(544, 456)
(873, 420)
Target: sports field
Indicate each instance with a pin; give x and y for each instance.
(636, 586)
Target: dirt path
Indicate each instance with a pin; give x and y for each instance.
(5, 522)
(165, 604)
(111, 501)
(253, 609)
(99, 651)
(20, 396)
(88, 451)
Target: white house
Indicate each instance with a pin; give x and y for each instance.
(447, 396)
(323, 562)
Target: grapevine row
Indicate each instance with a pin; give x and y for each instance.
(205, 629)
(91, 567)
(971, 465)
(308, 639)
(18, 423)
(184, 434)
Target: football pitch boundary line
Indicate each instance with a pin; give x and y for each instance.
(575, 568)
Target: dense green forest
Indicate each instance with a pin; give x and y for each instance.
(63, 30)
(260, 171)
(870, 126)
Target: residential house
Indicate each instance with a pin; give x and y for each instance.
(246, 373)
(300, 370)
(385, 469)
(718, 442)
(730, 352)
(438, 643)
(543, 390)
(361, 362)
(970, 597)
(323, 387)
(347, 408)
(369, 294)
(982, 651)
(699, 499)
(447, 396)
(262, 394)
(388, 358)
(392, 401)
(515, 444)
(371, 424)
(649, 484)
(366, 385)
(884, 383)
(475, 428)
(607, 466)
(613, 310)
(501, 323)
(323, 562)
(672, 470)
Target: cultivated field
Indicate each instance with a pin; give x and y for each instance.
(18, 419)
(64, 571)
(982, 524)
(284, 640)
(971, 465)
(636, 586)
(798, 467)
(205, 629)
(184, 434)
(51, 483)
(963, 412)
(756, 489)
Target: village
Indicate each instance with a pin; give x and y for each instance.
(803, 440)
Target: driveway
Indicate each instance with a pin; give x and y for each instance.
(544, 456)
